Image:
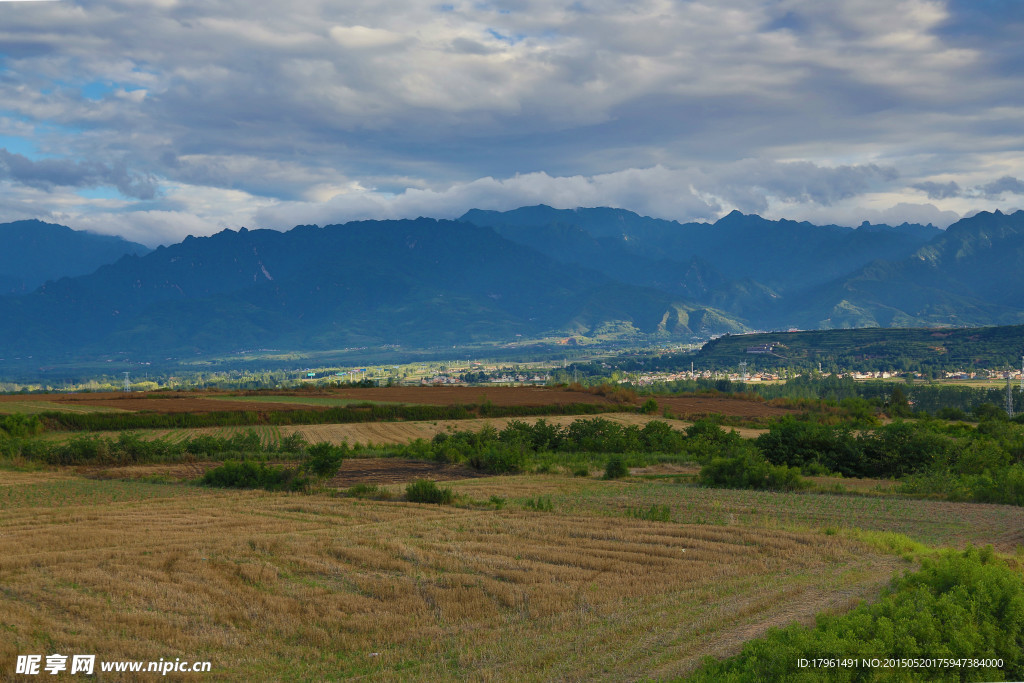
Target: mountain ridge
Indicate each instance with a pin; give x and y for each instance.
(534, 272)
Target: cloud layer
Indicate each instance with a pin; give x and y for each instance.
(224, 113)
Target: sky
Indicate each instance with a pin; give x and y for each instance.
(156, 119)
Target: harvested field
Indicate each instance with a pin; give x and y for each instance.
(382, 471)
(285, 587)
(932, 522)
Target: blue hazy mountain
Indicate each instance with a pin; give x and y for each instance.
(414, 283)
(520, 274)
(32, 252)
(972, 274)
(743, 264)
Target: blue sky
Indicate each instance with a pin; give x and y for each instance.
(155, 119)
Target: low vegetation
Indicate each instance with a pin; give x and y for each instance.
(425, 491)
(963, 605)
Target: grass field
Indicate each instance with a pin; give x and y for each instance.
(315, 587)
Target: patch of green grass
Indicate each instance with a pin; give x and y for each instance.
(655, 513)
(539, 503)
(368, 491)
(58, 493)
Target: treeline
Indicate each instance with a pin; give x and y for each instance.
(954, 460)
(521, 446)
(922, 350)
(96, 422)
(942, 400)
(128, 448)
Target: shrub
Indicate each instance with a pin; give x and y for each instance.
(19, 426)
(964, 605)
(324, 459)
(615, 469)
(498, 458)
(649, 407)
(749, 471)
(367, 491)
(293, 443)
(252, 475)
(426, 491)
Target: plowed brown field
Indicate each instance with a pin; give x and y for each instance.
(686, 406)
(203, 402)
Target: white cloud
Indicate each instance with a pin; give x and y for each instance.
(390, 108)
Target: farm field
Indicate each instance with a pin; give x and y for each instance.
(555, 574)
(315, 587)
(204, 402)
(385, 433)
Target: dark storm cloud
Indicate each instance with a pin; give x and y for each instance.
(939, 190)
(1004, 185)
(48, 173)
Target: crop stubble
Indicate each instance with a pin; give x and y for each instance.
(270, 584)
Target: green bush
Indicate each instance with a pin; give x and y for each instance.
(498, 458)
(20, 426)
(324, 459)
(367, 491)
(963, 605)
(252, 475)
(649, 407)
(749, 471)
(615, 469)
(426, 491)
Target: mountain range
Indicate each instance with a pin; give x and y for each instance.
(32, 252)
(499, 276)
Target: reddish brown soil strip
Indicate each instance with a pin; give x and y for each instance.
(704, 405)
(199, 402)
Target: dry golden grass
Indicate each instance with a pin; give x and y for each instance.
(314, 587)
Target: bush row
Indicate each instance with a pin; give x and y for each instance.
(129, 448)
(61, 421)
